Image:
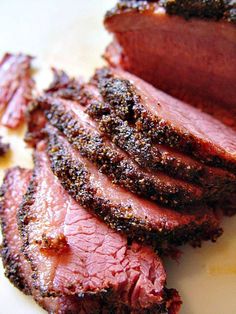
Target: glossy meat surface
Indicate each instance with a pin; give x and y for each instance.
(72, 252)
(135, 216)
(168, 120)
(191, 59)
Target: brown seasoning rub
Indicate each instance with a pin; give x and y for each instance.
(18, 269)
(203, 9)
(13, 263)
(112, 162)
(76, 180)
(102, 302)
(124, 101)
(140, 147)
(158, 157)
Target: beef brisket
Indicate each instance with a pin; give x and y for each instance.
(199, 67)
(167, 120)
(73, 253)
(82, 133)
(15, 88)
(122, 210)
(65, 112)
(17, 268)
(12, 191)
(158, 157)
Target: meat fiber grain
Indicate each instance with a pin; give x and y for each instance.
(17, 268)
(122, 210)
(74, 253)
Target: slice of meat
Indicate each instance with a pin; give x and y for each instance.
(73, 253)
(70, 118)
(122, 210)
(17, 268)
(185, 48)
(167, 120)
(16, 87)
(15, 184)
(4, 148)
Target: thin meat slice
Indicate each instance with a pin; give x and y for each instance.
(70, 118)
(74, 253)
(185, 48)
(4, 148)
(16, 87)
(15, 184)
(122, 210)
(17, 268)
(167, 120)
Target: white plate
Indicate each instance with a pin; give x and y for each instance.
(69, 34)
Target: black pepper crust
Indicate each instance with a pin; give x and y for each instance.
(112, 163)
(75, 178)
(106, 300)
(11, 261)
(68, 88)
(138, 145)
(125, 119)
(36, 122)
(25, 216)
(141, 148)
(215, 181)
(203, 9)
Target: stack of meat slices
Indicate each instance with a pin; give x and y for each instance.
(118, 167)
(71, 261)
(140, 138)
(122, 171)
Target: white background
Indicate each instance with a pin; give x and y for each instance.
(69, 34)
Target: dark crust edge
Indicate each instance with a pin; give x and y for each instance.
(108, 298)
(10, 261)
(109, 162)
(125, 103)
(75, 179)
(205, 176)
(139, 145)
(208, 10)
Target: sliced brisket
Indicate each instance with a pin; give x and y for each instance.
(17, 268)
(122, 210)
(167, 120)
(74, 253)
(185, 48)
(158, 157)
(15, 184)
(140, 171)
(82, 133)
(15, 88)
